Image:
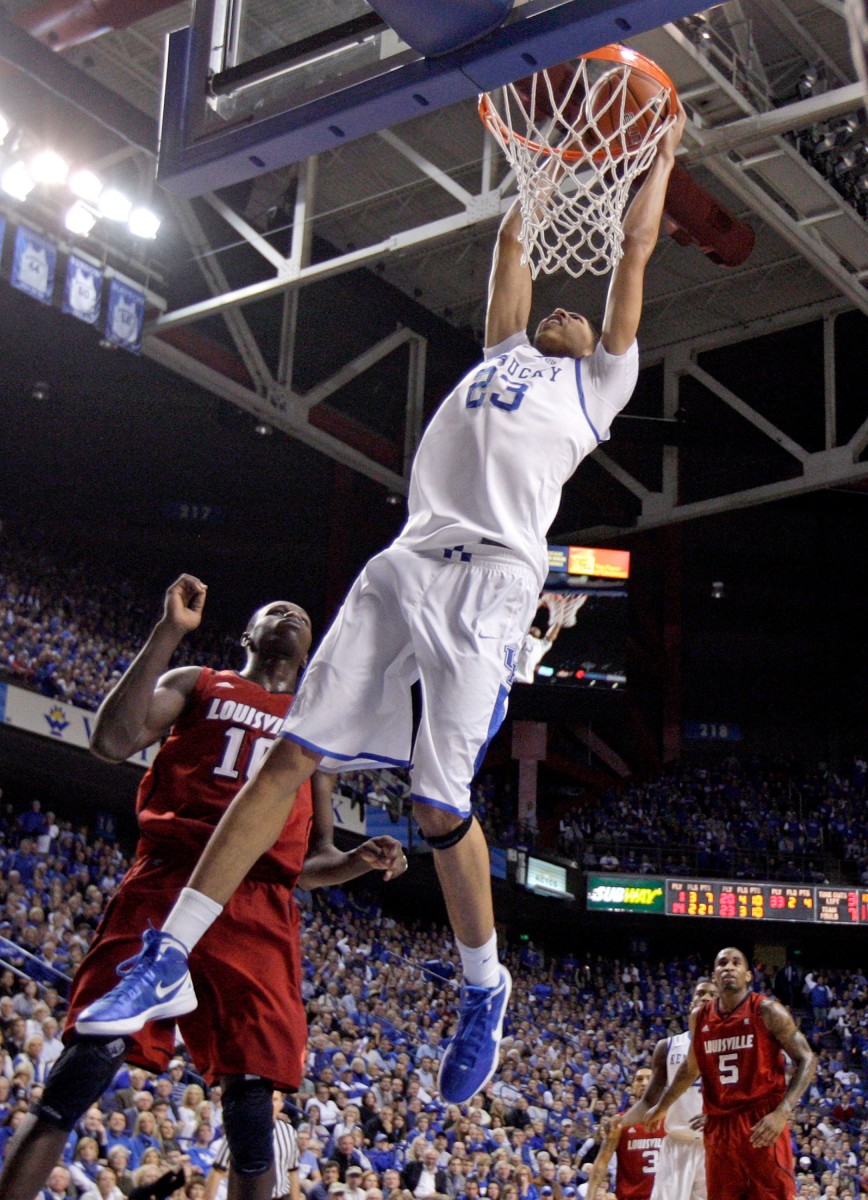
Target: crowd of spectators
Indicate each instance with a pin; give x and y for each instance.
(72, 638)
(380, 996)
(757, 820)
(753, 820)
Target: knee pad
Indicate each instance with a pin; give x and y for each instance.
(248, 1120)
(83, 1072)
(443, 841)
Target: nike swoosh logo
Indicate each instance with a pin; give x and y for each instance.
(162, 990)
(487, 960)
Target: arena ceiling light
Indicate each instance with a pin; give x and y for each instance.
(114, 205)
(16, 181)
(80, 219)
(86, 185)
(49, 167)
(143, 223)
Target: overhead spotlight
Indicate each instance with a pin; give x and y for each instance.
(84, 184)
(394, 499)
(49, 167)
(40, 390)
(143, 223)
(263, 429)
(114, 205)
(80, 219)
(718, 590)
(17, 182)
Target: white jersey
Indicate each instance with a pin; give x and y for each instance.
(689, 1104)
(498, 451)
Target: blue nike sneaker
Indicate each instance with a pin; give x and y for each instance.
(471, 1057)
(155, 984)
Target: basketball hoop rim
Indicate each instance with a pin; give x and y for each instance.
(615, 53)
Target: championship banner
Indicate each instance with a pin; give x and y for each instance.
(125, 316)
(56, 720)
(82, 292)
(33, 264)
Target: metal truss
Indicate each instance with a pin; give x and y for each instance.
(792, 198)
(836, 465)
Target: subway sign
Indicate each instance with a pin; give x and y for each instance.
(627, 893)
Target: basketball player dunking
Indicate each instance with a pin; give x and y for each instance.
(738, 1052)
(681, 1162)
(447, 605)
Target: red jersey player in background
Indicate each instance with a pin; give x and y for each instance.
(249, 1030)
(635, 1148)
(737, 1050)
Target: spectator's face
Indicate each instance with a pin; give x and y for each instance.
(58, 1180)
(116, 1122)
(106, 1181)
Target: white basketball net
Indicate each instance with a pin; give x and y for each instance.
(573, 179)
(562, 609)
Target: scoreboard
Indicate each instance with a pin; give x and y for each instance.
(740, 900)
(766, 901)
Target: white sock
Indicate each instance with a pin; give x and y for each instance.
(480, 963)
(191, 918)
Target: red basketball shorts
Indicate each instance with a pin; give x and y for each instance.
(246, 971)
(736, 1170)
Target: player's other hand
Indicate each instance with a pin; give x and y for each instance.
(184, 603)
(769, 1129)
(655, 1117)
(384, 854)
(674, 133)
(698, 1123)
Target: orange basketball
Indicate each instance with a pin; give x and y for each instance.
(621, 112)
(560, 81)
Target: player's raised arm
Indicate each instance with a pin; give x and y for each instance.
(685, 1076)
(641, 230)
(779, 1022)
(510, 285)
(147, 700)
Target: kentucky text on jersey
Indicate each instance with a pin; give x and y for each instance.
(243, 714)
(743, 1042)
(514, 370)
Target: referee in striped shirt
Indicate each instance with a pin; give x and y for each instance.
(286, 1182)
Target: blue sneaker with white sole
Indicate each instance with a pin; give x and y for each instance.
(155, 984)
(472, 1056)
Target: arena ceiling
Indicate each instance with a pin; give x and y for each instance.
(774, 112)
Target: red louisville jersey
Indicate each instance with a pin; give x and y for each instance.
(740, 1063)
(214, 747)
(636, 1158)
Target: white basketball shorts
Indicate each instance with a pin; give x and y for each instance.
(680, 1171)
(451, 619)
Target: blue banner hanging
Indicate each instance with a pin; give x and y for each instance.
(33, 264)
(125, 316)
(82, 293)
